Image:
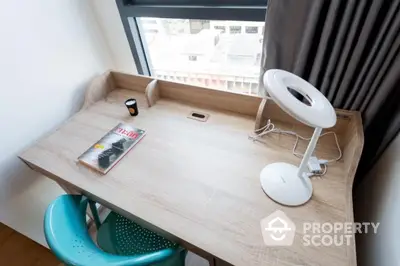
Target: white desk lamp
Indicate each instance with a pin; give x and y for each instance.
(285, 183)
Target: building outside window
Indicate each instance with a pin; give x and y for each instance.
(235, 29)
(251, 29)
(221, 28)
(192, 57)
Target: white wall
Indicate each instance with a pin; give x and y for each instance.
(378, 200)
(108, 18)
(49, 51)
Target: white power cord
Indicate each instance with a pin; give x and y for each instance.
(270, 128)
(321, 161)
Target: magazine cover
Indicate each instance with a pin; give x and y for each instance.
(106, 152)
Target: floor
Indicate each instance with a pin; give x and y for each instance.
(18, 250)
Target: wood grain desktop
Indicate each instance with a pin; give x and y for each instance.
(198, 182)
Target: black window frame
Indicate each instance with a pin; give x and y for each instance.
(130, 10)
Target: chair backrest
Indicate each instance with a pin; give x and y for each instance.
(66, 234)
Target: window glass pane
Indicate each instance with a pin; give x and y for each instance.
(223, 55)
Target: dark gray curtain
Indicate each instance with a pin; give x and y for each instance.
(348, 49)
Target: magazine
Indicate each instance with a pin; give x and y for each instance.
(106, 152)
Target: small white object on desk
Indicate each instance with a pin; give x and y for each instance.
(285, 183)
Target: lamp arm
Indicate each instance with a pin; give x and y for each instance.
(309, 152)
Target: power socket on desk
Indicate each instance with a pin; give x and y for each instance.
(314, 166)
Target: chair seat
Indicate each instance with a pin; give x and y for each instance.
(118, 235)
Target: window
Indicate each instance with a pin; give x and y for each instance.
(197, 42)
(251, 29)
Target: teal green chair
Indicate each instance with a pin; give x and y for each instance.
(122, 242)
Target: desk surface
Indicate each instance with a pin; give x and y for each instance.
(194, 181)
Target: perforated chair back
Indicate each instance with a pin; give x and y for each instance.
(67, 236)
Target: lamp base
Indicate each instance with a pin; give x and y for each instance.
(281, 183)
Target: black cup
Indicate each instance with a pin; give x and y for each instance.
(131, 104)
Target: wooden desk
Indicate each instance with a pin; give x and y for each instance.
(198, 182)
